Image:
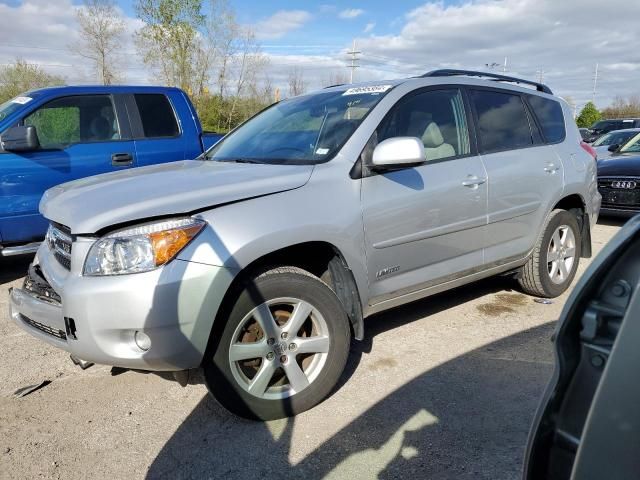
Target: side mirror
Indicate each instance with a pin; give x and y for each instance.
(613, 148)
(20, 139)
(399, 152)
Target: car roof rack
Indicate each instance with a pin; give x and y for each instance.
(447, 72)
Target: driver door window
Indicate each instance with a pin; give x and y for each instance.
(77, 119)
(437, 118)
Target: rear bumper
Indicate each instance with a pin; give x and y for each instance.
(98, 317)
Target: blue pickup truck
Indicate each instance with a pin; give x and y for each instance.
(54, 135)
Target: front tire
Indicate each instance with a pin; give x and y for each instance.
(282, 349)
(554, 261)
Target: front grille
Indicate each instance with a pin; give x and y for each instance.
(60, 243)
(44, 328)
(620, 192)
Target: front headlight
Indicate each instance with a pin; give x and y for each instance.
(142, 248)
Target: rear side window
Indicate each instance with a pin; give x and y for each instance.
(502, 121)
(156, 114)
(549, 115)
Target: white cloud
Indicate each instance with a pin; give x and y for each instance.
(565, 39)
(281, 23)
(41, 32)
(369, 27)
(351, 13)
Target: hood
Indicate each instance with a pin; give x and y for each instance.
(619, 166)
(91, 204)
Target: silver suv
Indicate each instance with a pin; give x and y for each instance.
(259, 261)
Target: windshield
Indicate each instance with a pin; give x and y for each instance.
(303, 130)
(10, 106)
(602, 124)
(633, 146)
(613, 138)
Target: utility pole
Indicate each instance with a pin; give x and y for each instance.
(540, 75)
(595, 85)
(504, 67)
(354, 59)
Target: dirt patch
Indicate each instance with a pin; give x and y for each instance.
(382, 363)
(502, 304)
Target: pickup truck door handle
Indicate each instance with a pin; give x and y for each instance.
(121, 159)
(551, 168)
(473, 181)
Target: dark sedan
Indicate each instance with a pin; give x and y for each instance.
(619, 184)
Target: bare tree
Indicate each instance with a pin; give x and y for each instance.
(623, 107)
(297, 83)
(171, 42)
(101, 32)
(245, 65)
(336, 78)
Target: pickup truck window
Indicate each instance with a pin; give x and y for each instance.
(157, 116)
(68, 120)
(302, 130)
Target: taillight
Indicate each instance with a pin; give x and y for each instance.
(589, 149)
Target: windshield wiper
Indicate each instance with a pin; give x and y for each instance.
(241, 160)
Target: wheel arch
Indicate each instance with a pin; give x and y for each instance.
(575, 203)
(320, 258)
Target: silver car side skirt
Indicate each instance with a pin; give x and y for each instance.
(446, 283)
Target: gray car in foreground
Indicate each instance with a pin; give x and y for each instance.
(259, 261)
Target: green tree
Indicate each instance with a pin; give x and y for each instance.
(588, 115)
(21, 77)
(170, 41)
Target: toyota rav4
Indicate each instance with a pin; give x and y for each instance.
(259, 261)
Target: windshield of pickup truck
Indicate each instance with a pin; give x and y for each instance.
(10, 106)
(303, 130)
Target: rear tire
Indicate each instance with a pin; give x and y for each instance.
(555, 258)
(282, 349)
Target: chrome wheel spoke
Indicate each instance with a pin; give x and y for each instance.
(552, 256)
(297, 378)
(562, 266)
(260, 381)
(265, 319)
(300, 314)
(557, 242)
(553, 272)
(317, 344)
(570, 253)
(246, 351)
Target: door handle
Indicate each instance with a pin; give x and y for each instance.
(551, 168)
(473, 181)
(121, 159)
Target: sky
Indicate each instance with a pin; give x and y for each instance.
(560, 41)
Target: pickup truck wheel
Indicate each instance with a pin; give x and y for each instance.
(554, 261)
(283, 348)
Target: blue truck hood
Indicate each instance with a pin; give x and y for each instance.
(91, 204)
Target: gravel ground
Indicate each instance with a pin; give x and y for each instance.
(442, 388)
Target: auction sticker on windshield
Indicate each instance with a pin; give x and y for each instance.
(368, 89)
(21, 100)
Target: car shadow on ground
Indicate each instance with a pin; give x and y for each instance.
(12, 268)
(466, 418)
